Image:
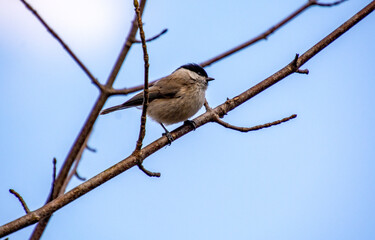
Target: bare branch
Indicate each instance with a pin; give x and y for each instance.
(142, 130)
(302, 71)
(73, 171)
(54, 162)
(216, 118)
(91, 149)
(258, 127)
(314, 2)
(165, 30)
(147, 172)
(265, 34)
(64, 45)
(79, 176)
(296, 69)
(17, 195)
(126, 91)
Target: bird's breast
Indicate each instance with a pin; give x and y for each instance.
(184, 105)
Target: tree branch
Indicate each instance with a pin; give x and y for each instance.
(73, 171)
(217, 119)
(88, 125)
(23, 203)
(54, 162)
(220, 110)
(142, 130)
(63, 44)
(258, 127)
(165, 30)
(314, 2)
(297, 70)
(91, 149)
(79, 176)
(264, 35)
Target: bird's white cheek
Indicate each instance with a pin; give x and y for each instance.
(191, 74)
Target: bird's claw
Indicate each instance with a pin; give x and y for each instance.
(169, 137)
(191, 123)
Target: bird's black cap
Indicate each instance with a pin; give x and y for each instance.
(195, 68)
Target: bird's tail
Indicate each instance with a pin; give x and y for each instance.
(112, 109)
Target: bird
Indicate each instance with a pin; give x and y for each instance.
(174, 98)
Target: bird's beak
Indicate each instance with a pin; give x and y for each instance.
(209, 79)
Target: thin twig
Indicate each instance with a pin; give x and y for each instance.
(165, 30)
(258, 127)
(79, 176)
(64, 45)
(296, 69)
(314, 2)
(126, 91)
(73, 171)
(142, 131)
(221, 110)
(264, 35)
(54, 162)
(91, 149)
(216, 118)
(147, 172)
(24, 205)
(302, 71)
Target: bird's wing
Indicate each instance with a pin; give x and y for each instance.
(162, 89)
(157, 91)
(165, 88)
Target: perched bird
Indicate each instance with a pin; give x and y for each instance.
(174, 98)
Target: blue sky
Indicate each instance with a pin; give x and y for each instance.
(309, 178)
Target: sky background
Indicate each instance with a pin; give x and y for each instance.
(309, 178)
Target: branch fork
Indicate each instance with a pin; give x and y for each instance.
(165, 30)
(139, 161)
(295, 67)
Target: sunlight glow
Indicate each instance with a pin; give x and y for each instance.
(81, 23)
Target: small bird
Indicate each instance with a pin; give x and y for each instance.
(174, 98)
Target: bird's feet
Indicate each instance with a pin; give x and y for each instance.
(191, 123)
(169, 137)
